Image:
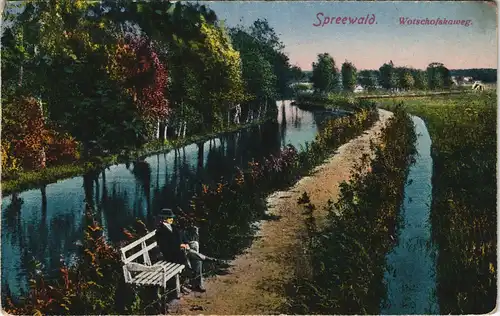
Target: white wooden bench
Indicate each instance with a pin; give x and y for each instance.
(146, 273)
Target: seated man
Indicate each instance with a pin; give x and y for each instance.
(181, 247)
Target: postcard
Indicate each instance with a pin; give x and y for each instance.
(249, 157)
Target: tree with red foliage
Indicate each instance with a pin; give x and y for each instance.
(149, 79)
(60, 148)
(23, 127)
(28, 138)
(135, 64)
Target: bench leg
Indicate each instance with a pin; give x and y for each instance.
(178, 286)
(165, 306)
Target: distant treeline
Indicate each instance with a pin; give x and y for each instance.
(482, 74)
(327, 78)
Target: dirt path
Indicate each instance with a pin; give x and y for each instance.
(255, 283)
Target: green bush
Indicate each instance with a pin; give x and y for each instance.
(343, 101)
(95, 285)
(464, 218)
(347, 258)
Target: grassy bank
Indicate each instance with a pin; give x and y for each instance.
(224, 212)
(350, 101)
(345, 265)
(332, 101)
(464, 219)
(408, 94)
(33, 179)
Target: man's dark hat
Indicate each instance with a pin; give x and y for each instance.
(167, 213)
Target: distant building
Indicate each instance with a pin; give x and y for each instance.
(459, 80)
(358, 89)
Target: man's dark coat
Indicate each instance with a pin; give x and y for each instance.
(169, 242)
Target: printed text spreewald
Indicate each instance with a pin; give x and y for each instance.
(324, 20)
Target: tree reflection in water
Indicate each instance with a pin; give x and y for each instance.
(50, 220)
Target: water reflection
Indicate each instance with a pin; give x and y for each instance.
(411, 277)
(47, 223)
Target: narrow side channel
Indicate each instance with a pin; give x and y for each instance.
(410, 277)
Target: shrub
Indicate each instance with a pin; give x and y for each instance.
(61, 149)
(463, 214)
(334, 100)
(27, 142)
(92, 285)
(348, 256)
(23, 129)
(95, 285)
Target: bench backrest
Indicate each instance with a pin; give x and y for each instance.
(193, 234)
(144, 250)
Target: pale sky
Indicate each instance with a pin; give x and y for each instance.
(369, 46)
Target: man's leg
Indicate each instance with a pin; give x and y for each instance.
(196, 261)
(197, 266)
(194, 252)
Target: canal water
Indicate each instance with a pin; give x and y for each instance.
(48, 226)
(410, 278)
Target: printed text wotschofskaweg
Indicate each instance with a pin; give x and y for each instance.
(438, 21)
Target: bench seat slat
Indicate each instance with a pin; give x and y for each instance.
(156, 278)
(164, 263)
(170, 274)
(167, 265)
(147, 281)
(145, 276)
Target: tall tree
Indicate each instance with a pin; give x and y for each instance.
(220, 68)
(178, 30)
(367, 79)
(136, 66)
(266, 35)
(420, 78)
(438, 76)
(405, 78)
(272, 50)
(325, 75)
(296, 74)
(387, 76)
(349, 76)
(258, 73)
